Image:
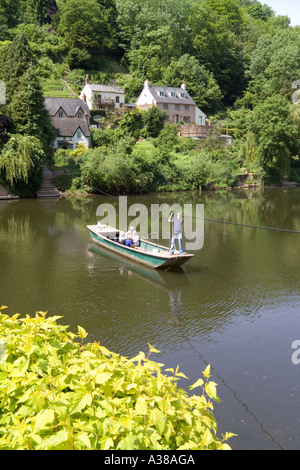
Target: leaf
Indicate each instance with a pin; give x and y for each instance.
(211, 390)
(81, 332)
(84, 438)
(44, 417)
(56, 439)
(106, 443)
(141, 407)
(158, 419)
(102, 377)
(199, 383)
(82, 402)
(152, 349)
(206, 373)
(128, 443)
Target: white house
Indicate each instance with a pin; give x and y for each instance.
(175, 101)
(200, 118)
(70, 120)
(107, 97)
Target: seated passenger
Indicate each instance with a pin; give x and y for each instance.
(136, 238)
(130, 232)
(128, 241)
(122, 238)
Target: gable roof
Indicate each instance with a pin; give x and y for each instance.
(155, 89)
(69, 105)
(105, 88)
(65, 127)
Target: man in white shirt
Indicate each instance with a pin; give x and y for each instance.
(177, 232)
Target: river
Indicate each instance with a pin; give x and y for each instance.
(236, 305)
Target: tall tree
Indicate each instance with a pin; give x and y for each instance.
(82, 25)
(28, 111)
(19, 58)
(216, 26)
(153, 33)
(200, 82)
(9, 16)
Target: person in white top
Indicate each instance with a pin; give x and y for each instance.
(177, 232)
(136, 238)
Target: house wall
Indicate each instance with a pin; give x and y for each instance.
(200, 119)
(105, 95)
(180, 112)
(145, 100)
(76, 140)
(175, 112)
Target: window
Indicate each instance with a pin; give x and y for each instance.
(79, 115)
(161, 93)
(78, 133)
(177, 106)
(182, 95)
(166, 106)
(186, 106)
(60, 114)
(187, 119)
(117, 99)
(173, 94)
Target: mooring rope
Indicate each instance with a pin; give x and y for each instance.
(245, 225)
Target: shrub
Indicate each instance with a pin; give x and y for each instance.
(58, 392)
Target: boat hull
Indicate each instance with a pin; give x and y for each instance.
(146, 256)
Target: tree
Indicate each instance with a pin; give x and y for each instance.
(20, 164)
(154, 120)
(28, 111)
(153, 34)
(216, 26)
(81, 24)
(200, 83)
(5, 129)
(9, 16)
(275, 65)
(270, 123)
(34, 11)
(19, 58)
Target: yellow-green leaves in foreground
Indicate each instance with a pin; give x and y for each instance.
(57, 392)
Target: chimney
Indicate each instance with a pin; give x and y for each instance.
(87, 80)
(183, 86)
(84, 97)
(146, 83)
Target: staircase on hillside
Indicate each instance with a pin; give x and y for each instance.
(48, 188)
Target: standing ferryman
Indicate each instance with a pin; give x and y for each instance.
(177, 232)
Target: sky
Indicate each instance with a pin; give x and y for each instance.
(288, 8)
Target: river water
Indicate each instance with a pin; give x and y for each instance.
(236, 305)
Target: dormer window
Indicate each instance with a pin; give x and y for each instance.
(173, 94)
(161, 93)
(182, 95)
(60, 114)
(79, 115)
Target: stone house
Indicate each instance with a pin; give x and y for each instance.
(106, 97)
(70, 121)
(175, 101)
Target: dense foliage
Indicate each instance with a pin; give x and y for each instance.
(239, 60)
(59, 392)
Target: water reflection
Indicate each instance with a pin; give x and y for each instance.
(235, 305)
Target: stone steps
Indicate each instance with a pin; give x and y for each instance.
(48, 188)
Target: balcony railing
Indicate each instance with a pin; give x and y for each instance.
(105, 104)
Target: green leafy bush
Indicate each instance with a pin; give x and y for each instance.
(57, 392)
